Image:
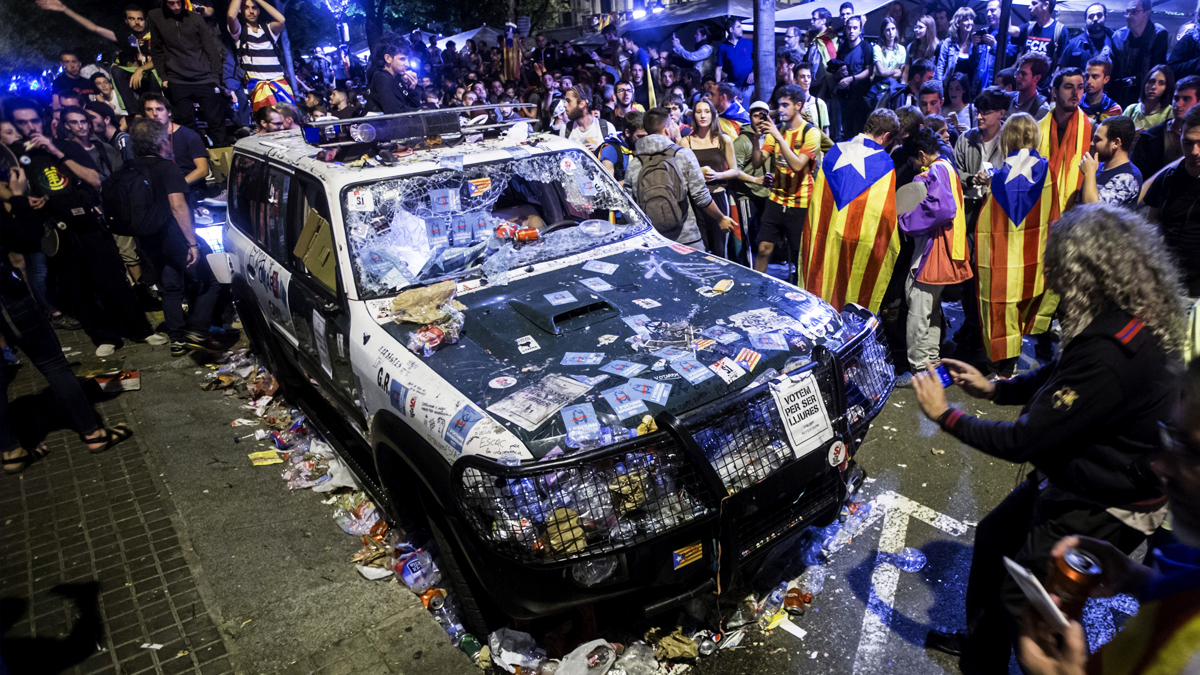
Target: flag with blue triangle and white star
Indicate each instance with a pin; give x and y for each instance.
(849, 247)
(1010, 240)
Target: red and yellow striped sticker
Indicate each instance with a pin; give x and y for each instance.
(687, 555)
(748, 358)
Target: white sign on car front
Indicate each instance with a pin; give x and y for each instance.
(802, 410)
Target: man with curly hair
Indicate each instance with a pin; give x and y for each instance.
(1089, 421)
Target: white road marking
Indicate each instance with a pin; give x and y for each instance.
(883, 589)
(895, 510)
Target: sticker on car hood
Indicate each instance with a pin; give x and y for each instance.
(502, 382)
(528, 408)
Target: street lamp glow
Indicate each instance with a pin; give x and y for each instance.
(639, 13)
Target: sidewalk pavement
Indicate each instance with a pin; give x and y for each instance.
(173, 538)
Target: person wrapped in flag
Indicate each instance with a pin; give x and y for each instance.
(794, 149)
(1065, 149)
(259, 52)
(938, 227)
(511, 49)
(849, 248)
(1010, 240)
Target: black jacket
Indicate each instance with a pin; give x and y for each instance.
(1133, 57)
(389, 96)
(184, 48)
(20, 232)
(1090, 417)
(1185, 56)
(1150, 152)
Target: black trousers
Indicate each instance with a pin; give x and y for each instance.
(92, 277)
(855, 110)
(185, 98)
(972, 326)
(1024, 527)
(180, 283)
(24, 324)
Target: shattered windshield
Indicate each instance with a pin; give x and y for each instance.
(482, 220)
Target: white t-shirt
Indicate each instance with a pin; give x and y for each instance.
(592, 133)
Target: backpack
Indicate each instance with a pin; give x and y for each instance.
(661, 191)
(130, 207)
(623, 154)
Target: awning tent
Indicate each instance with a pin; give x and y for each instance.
(873, 10)
(485, 33)
(682, 19)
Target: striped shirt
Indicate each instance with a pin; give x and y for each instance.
(258, 58)
(791, 188)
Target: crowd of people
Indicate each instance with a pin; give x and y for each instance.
(1057, 198)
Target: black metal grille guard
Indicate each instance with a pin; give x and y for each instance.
(556, 539)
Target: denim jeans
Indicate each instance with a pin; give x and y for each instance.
(25, 325)
(35, 271)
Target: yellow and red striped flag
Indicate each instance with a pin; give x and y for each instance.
(1010, 241)
(849, 248)
(1065, 156)
(748, 358)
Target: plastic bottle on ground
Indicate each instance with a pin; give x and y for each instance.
(771, 605)
(812, 580)
(909, 560)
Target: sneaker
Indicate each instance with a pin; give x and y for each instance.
(904, 381)
(202, 343)
(156, 339)
(105, 350)
(64, 322)
(178, 349)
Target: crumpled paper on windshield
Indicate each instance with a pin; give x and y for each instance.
(673, 645)
(425, 304)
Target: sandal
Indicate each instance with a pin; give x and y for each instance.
(112, 436)
(22, 461)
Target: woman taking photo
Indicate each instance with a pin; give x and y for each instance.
(1154, 107)
(714, 151)
(924, 44)
(957, 53)
(956, 110)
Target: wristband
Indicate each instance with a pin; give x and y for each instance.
(941, 420)
(193, 245)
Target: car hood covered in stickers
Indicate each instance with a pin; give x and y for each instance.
(634, 333)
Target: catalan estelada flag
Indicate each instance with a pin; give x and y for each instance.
(1065, 154)
(265, 93)
(850, 245)
(511, 50)
(1010, 241)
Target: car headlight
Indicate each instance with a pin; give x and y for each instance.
(595, 571)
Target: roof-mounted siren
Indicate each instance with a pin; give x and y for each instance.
(410, 128)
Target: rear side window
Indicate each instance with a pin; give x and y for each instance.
(279, 187)
(247, 197)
